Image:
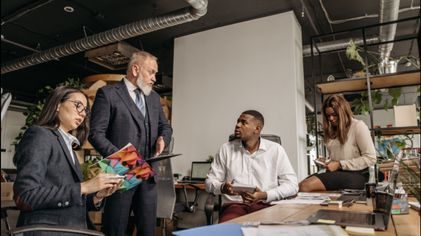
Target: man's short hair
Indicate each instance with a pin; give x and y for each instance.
(139, 58)
(257, 115)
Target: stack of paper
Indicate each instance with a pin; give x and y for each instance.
(309, 230)
(307, 198)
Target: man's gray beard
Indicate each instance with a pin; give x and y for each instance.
(145, 88)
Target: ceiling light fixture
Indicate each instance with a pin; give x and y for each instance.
(114, 56)
(68, 9)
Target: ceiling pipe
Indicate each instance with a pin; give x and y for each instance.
(23, 11)
(389, 11)
(198, 9)
(3, 39)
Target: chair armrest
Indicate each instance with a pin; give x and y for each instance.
(210, 203)
(51, 228)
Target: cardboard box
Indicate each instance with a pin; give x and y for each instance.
(6, 191)
(405, 115)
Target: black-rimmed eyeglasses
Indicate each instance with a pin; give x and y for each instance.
(80, 107)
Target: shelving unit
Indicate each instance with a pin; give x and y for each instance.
(369, 82)
(376, 82)
(397, 130)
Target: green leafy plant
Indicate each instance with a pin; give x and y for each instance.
(411, 178)
(388, 148)
(34, 110)
(360, 105)
(353, 52)
(90, 169)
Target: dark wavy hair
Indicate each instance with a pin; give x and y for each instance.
(342, 108)
(49, 115)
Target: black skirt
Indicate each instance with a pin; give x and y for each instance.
(343, 179)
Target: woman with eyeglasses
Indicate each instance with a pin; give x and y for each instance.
(350, 147)
(49, 187)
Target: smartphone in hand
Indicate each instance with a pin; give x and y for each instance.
(322, 161)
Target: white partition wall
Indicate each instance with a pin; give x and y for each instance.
(221, 72)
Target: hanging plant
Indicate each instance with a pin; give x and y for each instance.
(353, 52)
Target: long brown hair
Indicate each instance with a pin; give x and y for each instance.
(49, 116)
(343, 110)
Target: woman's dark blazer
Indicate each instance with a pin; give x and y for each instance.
(47, 186)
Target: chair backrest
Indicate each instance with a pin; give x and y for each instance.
(271, 137)
(165, 185)
(51, 228)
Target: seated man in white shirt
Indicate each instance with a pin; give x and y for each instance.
(253, 161)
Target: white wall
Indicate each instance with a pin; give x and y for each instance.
(221, 72)
(10, 128)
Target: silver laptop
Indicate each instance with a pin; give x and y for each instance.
(199, 171)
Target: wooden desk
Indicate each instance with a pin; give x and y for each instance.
(201, 186)
(399, 224)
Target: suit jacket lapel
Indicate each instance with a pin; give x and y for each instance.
(149, 105)
(123, 93)
(77, 167)
(68, 156)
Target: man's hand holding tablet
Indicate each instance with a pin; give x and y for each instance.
(240, 188)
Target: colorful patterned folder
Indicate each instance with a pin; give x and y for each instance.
(128, 162)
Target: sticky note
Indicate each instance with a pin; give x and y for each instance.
(323, 221)
(359, 230)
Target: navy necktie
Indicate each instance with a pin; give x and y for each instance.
(139, 101)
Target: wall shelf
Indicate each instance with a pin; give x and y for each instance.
(377, 82)
(397, 130)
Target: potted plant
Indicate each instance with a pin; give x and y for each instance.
(360, 105)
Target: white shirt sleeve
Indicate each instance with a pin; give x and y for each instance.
(216, 176)
(287, 179)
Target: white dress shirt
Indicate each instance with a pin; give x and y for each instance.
(268, 168)
(132, 89)
(69, 140)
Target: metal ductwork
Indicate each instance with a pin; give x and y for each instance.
(335, 45)
(198, 9)
(389, 11)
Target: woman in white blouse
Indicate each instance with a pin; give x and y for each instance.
(350, 147)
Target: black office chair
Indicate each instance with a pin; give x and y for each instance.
(213, 206)
(20, 231)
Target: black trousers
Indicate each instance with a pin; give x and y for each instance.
(142, 200)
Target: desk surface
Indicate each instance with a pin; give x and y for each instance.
(399, 224)
(201, 186)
